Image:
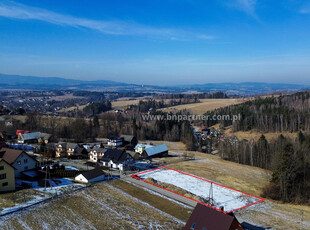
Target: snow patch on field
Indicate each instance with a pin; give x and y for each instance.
(228, 198)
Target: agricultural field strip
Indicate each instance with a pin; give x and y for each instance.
(230, 199)
(144, 203)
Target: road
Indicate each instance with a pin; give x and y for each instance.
(160, 191)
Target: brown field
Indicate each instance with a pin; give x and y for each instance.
(64, 97)
(255, 135)
(206, 105)
(81, 107)
(123, 104)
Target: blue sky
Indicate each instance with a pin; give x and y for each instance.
(157, 42)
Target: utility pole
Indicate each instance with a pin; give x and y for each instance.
(211, 194)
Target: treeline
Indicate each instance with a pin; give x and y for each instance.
(95, 108)
(192, 96)
(289, 161)
(271, 114)
(104, 125)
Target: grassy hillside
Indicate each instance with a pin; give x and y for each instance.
(100, 207)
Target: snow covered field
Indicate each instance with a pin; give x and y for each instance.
(228, 198)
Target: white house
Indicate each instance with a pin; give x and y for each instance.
(93, 175)
(118, 159)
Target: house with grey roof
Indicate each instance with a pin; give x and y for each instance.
(151, 151)
(34, 137)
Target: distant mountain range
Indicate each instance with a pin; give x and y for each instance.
(17, 82)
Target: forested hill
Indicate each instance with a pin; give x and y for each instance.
(271, 114)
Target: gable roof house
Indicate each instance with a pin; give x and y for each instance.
(80, 153)
(34, 137)
(96, 154)
(129, 140)
(206, 218)
(64, 149)
(148, 151)
(28, 137)
(90, 176)
(118, 159)
(18, 159)
(7, 177)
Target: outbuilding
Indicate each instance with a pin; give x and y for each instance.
(90, 176)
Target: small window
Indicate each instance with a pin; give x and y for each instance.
(18, 162)
(1, 167)
(194, 225)
(26, 167)
(2, 176)
(26, 161)
(5, 184)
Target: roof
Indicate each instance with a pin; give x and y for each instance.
(66, 145)
(99, 150)
(94, 173)
(115, 155)
(10, 155)
(112, 137)
(45, 136)
(72, 145)
(128, 138)
(80, 151)
(156, 149)
(210, 218)
(30, 136)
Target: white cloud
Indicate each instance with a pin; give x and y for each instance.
(247, 6)
(19, 11)
(305, 10)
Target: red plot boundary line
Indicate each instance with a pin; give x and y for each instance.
(136, 176)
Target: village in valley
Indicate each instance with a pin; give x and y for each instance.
(154, 115)
(39, 171)
(36, 171)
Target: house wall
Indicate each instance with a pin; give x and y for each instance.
(60, 152)
(10, 177)
(95, 155)
(23, 163)
(140, 150)
(81, 178)
(70, 151)
(115, 144)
